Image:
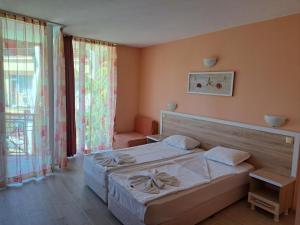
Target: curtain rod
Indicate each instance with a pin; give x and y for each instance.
(89, 40)
(30, 17)
(61, 25)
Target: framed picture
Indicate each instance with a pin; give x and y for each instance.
(211, 83)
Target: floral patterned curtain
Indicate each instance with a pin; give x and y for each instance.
(24, 102)
(60, 136)
(95, 94)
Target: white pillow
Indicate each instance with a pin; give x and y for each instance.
(227, 156)
(182, 142)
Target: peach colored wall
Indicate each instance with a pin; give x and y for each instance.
(127, 87)
(265, 56)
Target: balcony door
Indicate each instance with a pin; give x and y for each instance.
(24, 100)
(95, 75)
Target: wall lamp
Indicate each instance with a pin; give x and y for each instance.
(275, 121)
(209, 62)
(172, 106)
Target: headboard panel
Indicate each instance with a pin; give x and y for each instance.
(267, 146)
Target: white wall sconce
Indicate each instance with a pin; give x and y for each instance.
(209, 62)
(275, 121)
(172, 106)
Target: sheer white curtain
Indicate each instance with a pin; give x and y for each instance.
(95, 94)
(24, 102)
(59, 88)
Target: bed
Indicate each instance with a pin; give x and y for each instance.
(96, 175)
(268, 148)
(197, 199)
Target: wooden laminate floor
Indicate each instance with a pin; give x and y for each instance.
(63, 199)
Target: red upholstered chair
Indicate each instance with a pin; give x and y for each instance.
(143, 126)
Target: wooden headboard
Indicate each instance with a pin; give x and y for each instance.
(268, 146)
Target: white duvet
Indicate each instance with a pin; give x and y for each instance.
(187, 178)
(191, 171)
(142, 154)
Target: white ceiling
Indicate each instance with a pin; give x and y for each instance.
(148, 22)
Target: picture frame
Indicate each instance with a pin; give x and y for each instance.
(211, 83)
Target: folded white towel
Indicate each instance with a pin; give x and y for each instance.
(152, 181)
(114, 160)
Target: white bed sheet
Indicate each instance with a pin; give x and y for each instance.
(143, 154)
(192, 167)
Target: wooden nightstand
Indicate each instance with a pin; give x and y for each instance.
(271, 192)
(155, 138)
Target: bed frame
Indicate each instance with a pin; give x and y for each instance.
(191, 217)
(92, 182)
(268, 147)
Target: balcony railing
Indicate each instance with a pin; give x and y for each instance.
(19, 133)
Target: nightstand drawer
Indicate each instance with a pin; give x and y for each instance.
(263, 203)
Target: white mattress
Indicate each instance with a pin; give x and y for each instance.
(143, 154)
(120, 190)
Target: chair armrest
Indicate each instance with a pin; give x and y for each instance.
(136, 142)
